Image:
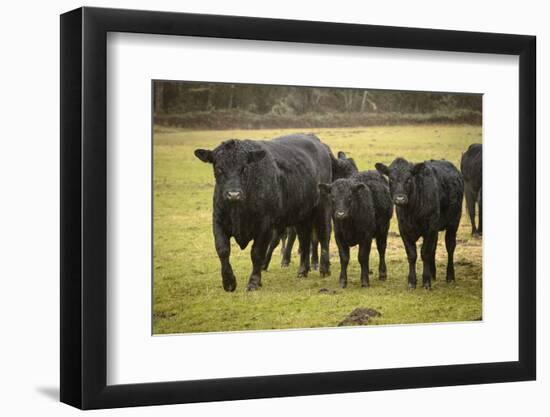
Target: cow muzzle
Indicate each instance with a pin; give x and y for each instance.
(234, 195)
(400, 199)
(340, 214)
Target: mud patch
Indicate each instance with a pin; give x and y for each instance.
(359, 317)
(327, 291)
(463, 262)
(163, 315)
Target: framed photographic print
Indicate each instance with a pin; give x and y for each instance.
(256, 208)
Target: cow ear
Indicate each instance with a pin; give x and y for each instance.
(204, 155)
(342, 155)
(256, 156)
(358, 186)
(382, 169)
(325, 188)
(418, 168)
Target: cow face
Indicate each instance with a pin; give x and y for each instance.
(231, 161)
(343, 193)
(401, 176)
(344, 167)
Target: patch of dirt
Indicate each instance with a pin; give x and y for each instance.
(163, 315)
(394, 234)
(463, 262)
(359, 317)
(327, 291)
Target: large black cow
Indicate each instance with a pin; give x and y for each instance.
(428, 198)
(361, 210)
(342, 167)
(263, 186)
(470, 166)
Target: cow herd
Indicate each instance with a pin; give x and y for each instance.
(294, 186)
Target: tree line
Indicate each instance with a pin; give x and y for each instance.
(171, 97)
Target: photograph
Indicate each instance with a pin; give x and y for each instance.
(293, 207)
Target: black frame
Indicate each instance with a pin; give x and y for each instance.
(84, 207)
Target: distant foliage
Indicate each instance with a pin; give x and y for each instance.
(262, 105)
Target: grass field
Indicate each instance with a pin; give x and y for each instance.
(188, 295)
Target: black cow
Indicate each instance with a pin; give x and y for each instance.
(263, 186)
(470, 166)
(342, 167)
(361, 210)
(428, 198)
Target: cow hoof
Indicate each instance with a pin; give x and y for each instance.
(427, 287)
(365, 285)
(450, 280)
(411, 287)
(315, 266)
(285, 264)
(382, 277)
(302, 274)
(324, 274)
(230, 284)
(343, 284)
(252, 287)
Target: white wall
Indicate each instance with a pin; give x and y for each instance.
(29, 237)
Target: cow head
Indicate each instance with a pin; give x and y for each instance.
(343, 193)
(231, 161)
(343, 167)
(401, 174)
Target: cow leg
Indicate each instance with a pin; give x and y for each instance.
(314, 251)
(471, 198)
(288, 248)
(450, 244)
(427, 259)
(284, 235)
(223, 249)
(381, 243)
(343, 251)
(257, 254)
(410, 248)
(480, 214)
(272, 245)
(434, 249)
(323, 229)
(304, 239)
(363, 257)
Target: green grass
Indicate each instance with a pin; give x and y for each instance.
(188, 295)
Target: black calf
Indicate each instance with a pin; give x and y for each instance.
(361, 210)
(428, 198)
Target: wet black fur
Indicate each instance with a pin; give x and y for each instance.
(365, 207)
(342, 167)
(428, 199)
(471, 168)
(277, 184)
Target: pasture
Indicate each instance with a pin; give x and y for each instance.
(187, 291)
